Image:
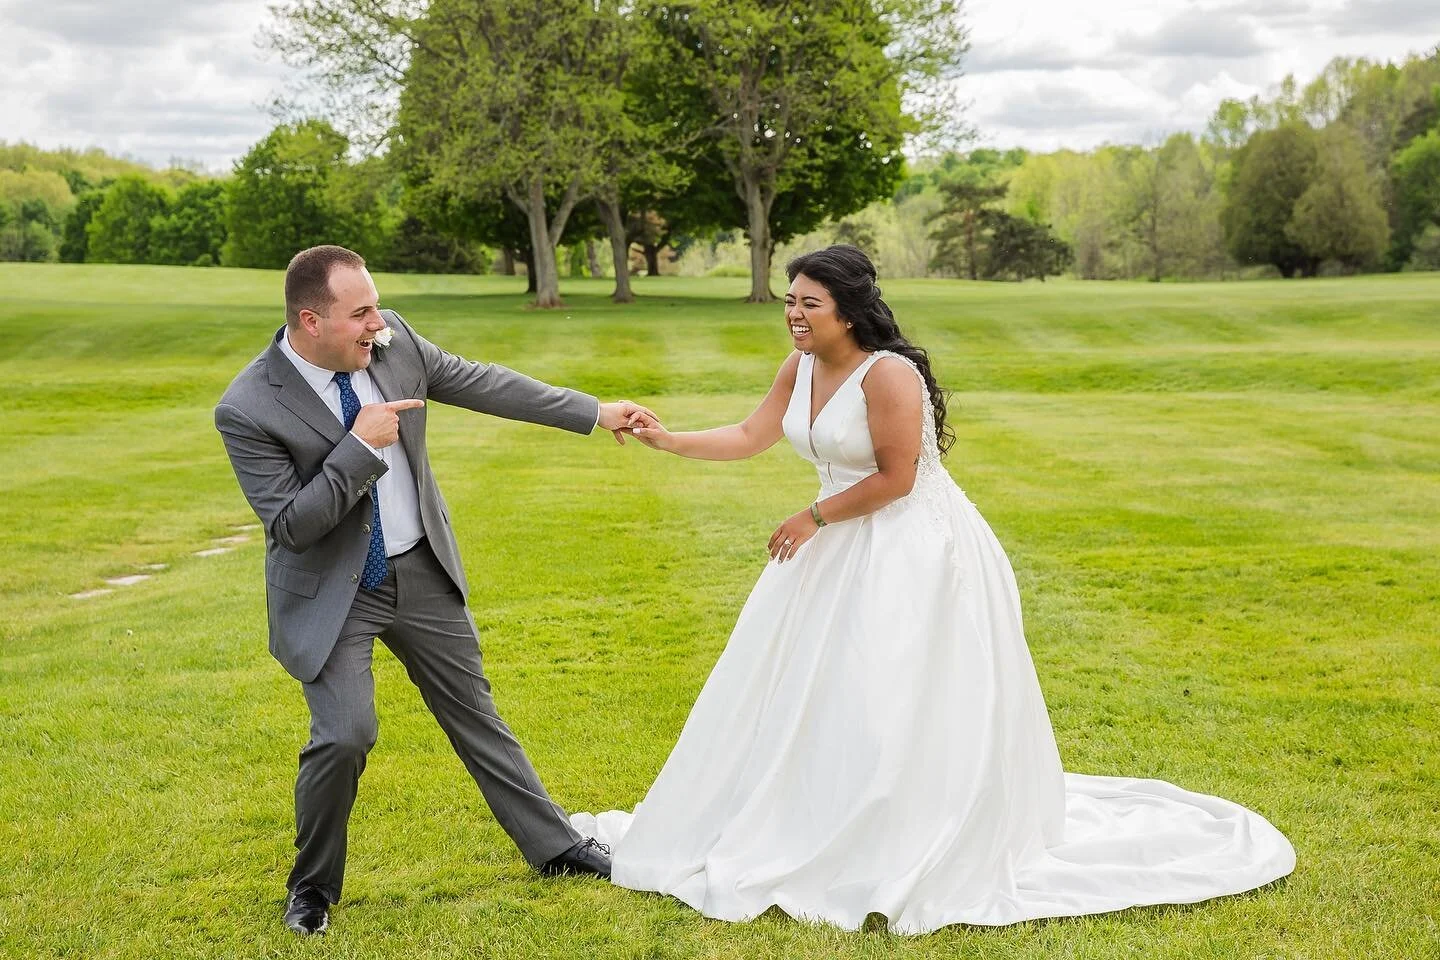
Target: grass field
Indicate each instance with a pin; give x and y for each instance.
(1222, 503)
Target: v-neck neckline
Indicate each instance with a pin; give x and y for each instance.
(810, 399)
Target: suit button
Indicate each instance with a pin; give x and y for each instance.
(372, 478)
(365, 527)
(354, 578)
(360, 492)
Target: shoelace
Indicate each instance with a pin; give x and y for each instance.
(596, 844)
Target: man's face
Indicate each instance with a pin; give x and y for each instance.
(343, 338)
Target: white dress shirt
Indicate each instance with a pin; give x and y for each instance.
(399, 498)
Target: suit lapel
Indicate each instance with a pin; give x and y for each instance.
(297, 396)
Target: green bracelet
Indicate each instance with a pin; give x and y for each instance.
(815, 514)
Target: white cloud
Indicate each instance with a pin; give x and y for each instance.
(1049, 73)
(156, 80)
(1196, 33)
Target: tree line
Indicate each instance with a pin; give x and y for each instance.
(1340, 175)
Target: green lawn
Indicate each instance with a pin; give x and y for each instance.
(1222, 503)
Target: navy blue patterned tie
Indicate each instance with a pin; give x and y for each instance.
(374, 573)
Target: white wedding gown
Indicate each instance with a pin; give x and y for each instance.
(874, 740)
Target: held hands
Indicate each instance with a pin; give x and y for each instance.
(651, 432)
(622, 416)
(378, 424)
(788, 537)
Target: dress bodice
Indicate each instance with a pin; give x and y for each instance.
(839, 442)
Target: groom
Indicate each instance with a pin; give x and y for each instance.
(326, 433)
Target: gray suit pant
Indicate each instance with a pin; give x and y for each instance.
(420, 615)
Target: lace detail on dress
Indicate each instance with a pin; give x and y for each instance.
(933, 482)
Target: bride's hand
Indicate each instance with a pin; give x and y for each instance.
(649, 431)
(788, 537)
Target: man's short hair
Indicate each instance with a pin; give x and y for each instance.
(307, 279)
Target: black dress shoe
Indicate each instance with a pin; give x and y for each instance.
(587, 856)
(307, 912)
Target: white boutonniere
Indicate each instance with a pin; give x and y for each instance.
(383, 337)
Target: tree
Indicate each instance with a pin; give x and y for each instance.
(418, 247)
(294, 189)
(645, 160)
(1172, 208)
(25, 233)
(498, 101)
(841, 174)
(960, 238)
(1415, 178)
(1022, 248)
(1427, 250)
(859, 234)
(74, 240)
(119, 231)
(771, 83)
(1271, 172)
(192, 230)
(526, 107)
(468, 219)
(1340, 216)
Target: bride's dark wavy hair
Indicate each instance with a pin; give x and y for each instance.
(849, 276)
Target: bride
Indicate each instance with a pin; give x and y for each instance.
(873, 739)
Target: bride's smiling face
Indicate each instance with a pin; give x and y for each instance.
(811, 316)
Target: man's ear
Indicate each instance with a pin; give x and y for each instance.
(310, 322)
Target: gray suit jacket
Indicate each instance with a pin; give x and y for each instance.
(309, 480)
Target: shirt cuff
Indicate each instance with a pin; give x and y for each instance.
(372, 450)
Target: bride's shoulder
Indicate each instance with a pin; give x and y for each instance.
(789, 367)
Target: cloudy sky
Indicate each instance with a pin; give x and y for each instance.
(183, 79)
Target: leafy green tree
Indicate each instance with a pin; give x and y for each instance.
(841, 174)
(793, 94)
(1424, 117)
(192, 230)
(470, 220)
(1084, 197)
(75, 239)
(960, 237)
(417, 247)
(1021, 248)
(1171, 207)
(1427, 250)
(1340, 216)
(513, 101)
(119, 231)
(495, 101)
(1271, 172)
(857, 233)
(295, 189)
(1415, 179)
(25, 231)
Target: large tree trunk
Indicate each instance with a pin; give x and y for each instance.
(529, 271)
(542, 248)
(592, 259)
(619, 249)
(757, 213)
(507, 261)
(652, 259)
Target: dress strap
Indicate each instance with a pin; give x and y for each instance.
(901, 357)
